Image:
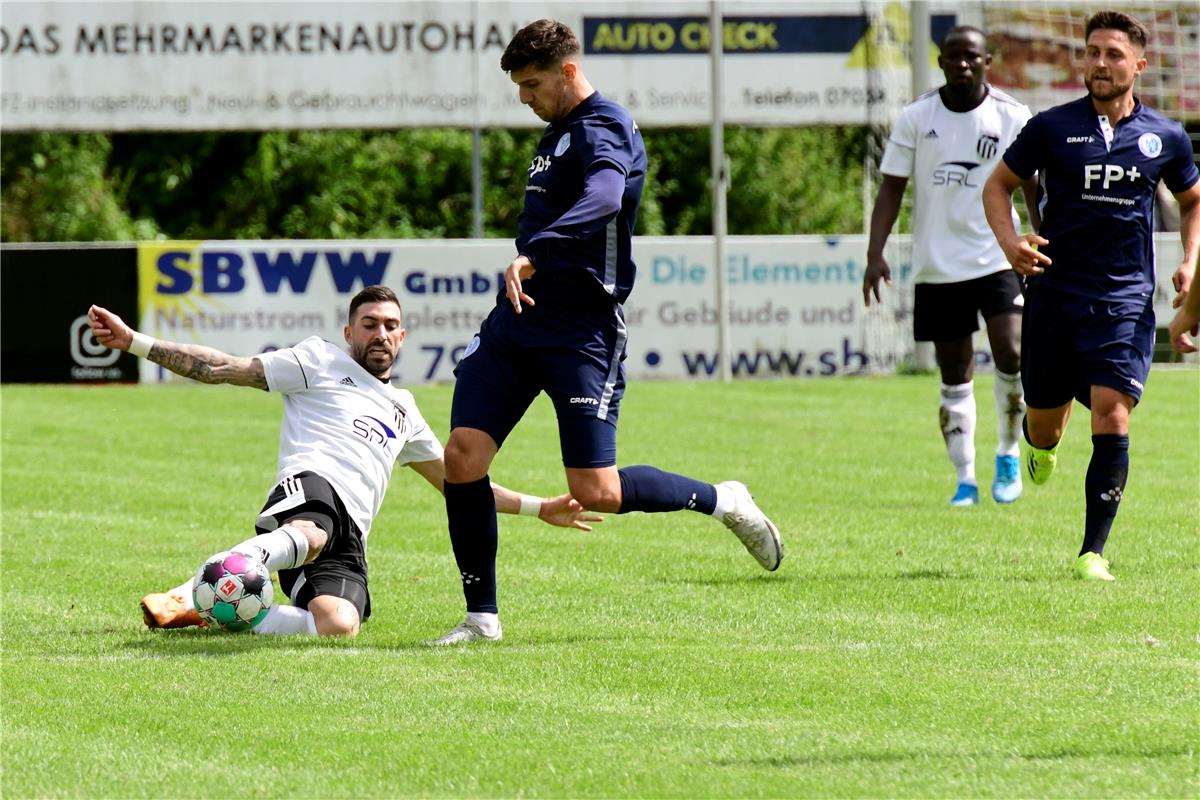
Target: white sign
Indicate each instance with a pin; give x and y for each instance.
(257, 66)
(794, 302)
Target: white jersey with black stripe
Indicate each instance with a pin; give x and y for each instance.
(344, 424)
(948, 155)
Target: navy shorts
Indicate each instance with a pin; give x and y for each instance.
(943, 312)
(341, 568)
(506, 366)
(1071, 343)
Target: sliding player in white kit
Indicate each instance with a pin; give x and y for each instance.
(950, 139)
(344, 427)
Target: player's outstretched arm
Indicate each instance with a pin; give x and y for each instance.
(1187, 298)
(563, 511)
(1021, 251)
(204, 364)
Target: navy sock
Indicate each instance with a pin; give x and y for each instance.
(650, 489)
(1104, 485)
(471, 515)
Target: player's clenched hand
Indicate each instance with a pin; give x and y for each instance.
(566, 512)
(1182, 281)
(1022, 253)
(521, 269)
(1184, 324)
(877, 270)
(109, 329)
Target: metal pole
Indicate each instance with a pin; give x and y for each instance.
(476, 133)
(476, 182)
(921, 40)
(719, 164)
(923, 353)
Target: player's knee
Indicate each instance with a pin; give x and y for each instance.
(465, 462)
(316, 535)
(1007, 360)
(598, 497)
(335, 617)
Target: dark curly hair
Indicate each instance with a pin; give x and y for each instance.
(1117, 21)
(543, 44)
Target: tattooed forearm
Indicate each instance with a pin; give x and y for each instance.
(207, 365)
(189, 365)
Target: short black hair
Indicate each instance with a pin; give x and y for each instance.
(373, 294)
(543, 44)
(1112, 20)
(958, 30)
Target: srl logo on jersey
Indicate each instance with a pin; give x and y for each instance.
(1150, 145)
(377, 433)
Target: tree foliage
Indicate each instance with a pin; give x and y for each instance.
(395, 184)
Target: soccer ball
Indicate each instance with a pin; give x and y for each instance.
(233, 591)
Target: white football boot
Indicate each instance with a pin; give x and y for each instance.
(473, 628)
(752, 527)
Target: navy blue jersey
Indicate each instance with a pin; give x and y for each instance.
(563, 228)
(1097, 193)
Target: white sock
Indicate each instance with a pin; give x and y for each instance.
(184, 590)
(725, 501)
(284, 620)
(283, 548)
(957, 415)
(489, 623)
(1010, 409)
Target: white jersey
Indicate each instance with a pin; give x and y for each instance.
(949, 155)
(344, 424)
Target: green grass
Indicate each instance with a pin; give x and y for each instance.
(904, 649)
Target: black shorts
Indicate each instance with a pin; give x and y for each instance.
(943, 312)
(341, 568)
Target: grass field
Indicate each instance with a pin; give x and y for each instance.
(904, 649)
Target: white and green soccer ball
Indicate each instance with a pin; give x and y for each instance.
(233, 591)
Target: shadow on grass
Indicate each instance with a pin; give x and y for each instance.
(767, 579)
(886, 757)
(191, 642)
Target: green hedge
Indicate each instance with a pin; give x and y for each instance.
(395, 184)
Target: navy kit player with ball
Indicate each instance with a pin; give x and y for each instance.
(344, 428)
(559, 328)
(1089, 326)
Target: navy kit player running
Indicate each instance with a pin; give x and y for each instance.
(344, 428)
(947, 140)
(1089, 313)
(559, 328)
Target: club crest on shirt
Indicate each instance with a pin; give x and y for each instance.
(987, 146)
(563, 143)
(1150, 145)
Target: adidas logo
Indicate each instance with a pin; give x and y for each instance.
(932, 134)
(347, 381)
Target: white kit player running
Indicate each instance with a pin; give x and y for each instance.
(344, 428)
(948, 140)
